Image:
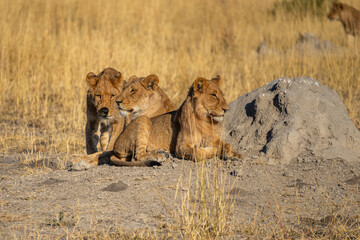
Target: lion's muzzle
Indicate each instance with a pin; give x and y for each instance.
(103, 112)
(123, 111)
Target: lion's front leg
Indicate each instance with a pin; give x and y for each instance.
(106, 131)
(142, 137)
(92, 159)
(92, 137)
(203, 153)
(226, 151)
(104, 140)
(188, 151)
(117, 128)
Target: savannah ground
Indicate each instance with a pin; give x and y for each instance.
(48, 47)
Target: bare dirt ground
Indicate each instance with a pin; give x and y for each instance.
(300, 175)
(54, 203)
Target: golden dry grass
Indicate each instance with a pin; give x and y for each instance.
(47, 47)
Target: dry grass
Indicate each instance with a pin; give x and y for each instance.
(205, 212)
(48, 47)
(206, 208)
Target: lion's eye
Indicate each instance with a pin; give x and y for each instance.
(112, 96)
(214, 95)
(132, 91)
(98, 96)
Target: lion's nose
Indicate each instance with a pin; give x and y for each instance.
(104, 111)
(225, 109)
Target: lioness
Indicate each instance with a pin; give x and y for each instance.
(140, 97)
(104, 121)
(143, 97)
(192, 132)
(348, 16)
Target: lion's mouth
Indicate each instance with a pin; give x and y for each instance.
(217, 118)
(105, 117)
(215, 115)
(125, 112)
(130, 110)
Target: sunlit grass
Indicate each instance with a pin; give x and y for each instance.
(47, 47)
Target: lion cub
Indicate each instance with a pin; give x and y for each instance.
(192, 132)
(140, 97)
(104, 121)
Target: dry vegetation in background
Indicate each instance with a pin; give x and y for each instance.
(48, 47)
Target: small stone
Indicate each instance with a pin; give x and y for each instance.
(80, 166)
(233, 173)
(353, 181)
(52, 181)
(116, 187)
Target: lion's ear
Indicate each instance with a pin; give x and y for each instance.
(132, 78)
(92, 79)
(200, 84)
(217, 80)
(150, 82)
(117, 80)
(301, 37)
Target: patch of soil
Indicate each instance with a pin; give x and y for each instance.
(135, 198)
(301, 168)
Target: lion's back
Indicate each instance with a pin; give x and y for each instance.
(162, 132)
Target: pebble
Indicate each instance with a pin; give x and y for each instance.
(80, 166)
(116, 187)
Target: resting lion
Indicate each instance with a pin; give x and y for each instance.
(104, 121)
(348, 16)
(140, 97)
(192, 132)
(143, 97)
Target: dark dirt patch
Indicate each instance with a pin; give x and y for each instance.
(116, 187)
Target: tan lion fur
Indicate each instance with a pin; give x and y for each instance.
(104, 122)
(192, 132)
(348, 16)
(143, 97)
(140, 97)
